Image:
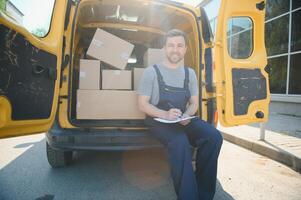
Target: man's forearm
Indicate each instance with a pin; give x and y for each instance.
(191, 109)
(153, 111)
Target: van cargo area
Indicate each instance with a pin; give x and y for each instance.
(138, 26)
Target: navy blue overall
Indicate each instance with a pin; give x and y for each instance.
(189, 185)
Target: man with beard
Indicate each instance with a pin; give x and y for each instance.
(169, 90)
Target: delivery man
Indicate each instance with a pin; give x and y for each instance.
(169, 90)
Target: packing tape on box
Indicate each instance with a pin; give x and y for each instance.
(82, 74)
(97, 43)
(117, 72)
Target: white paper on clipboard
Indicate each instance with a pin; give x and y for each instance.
(173, 121)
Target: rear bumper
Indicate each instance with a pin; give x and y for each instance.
(81, 139)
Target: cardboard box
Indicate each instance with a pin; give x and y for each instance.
(108, 104)
(110, 49)
(137, 76)
(154, 56)
(116, 79)
(89, 74)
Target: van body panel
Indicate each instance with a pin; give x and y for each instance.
(207, 88)
(30, 75)
(99, 139)
(242, 86)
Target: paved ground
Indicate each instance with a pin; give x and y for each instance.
(282, 141)
(25, 174)
(283, 124)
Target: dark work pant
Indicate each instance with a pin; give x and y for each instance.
(190, 185)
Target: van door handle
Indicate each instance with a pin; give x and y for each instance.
(41, 71)
(38, 70)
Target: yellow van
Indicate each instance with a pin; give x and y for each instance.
(39, 77)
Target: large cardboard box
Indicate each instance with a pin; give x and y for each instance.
(116, 79)
(89, 74)
(155, 56)
(110, 49)
(108, 104)
(138, 72)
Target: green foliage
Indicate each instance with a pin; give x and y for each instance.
(2, 5)
(40, 32)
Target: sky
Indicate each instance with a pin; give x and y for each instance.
(37, 13)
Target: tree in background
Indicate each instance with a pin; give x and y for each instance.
(40, 32)
(2, 5)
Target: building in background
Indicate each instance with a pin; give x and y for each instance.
(14, 12)
(283, 44)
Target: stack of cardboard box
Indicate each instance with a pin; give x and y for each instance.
(109, 93)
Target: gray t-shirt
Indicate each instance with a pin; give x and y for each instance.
(148, 85)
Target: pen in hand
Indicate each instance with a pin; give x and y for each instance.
(173, 107)
(170, 105)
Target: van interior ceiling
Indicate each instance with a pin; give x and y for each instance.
(142, 23)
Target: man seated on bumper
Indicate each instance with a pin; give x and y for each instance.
(169, 90)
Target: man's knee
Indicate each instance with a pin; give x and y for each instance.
(179, 141)
(217, 137)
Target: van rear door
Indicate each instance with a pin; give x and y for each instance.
(29, 75)
(242, 86)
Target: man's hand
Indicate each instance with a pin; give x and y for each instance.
(173, 114)
(185, 122)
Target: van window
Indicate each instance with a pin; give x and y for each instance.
(240, 37)
(34, 15)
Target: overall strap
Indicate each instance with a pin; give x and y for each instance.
(186, 80)
(159, 75)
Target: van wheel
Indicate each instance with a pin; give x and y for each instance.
(58, 158)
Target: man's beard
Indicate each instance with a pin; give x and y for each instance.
(174, 60)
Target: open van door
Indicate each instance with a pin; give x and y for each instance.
(29, 75)
(242, 85)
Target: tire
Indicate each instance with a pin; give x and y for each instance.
(58, 158)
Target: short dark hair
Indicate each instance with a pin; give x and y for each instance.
(174, 33)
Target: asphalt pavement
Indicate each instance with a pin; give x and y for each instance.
(282, 141)
(133, 175)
